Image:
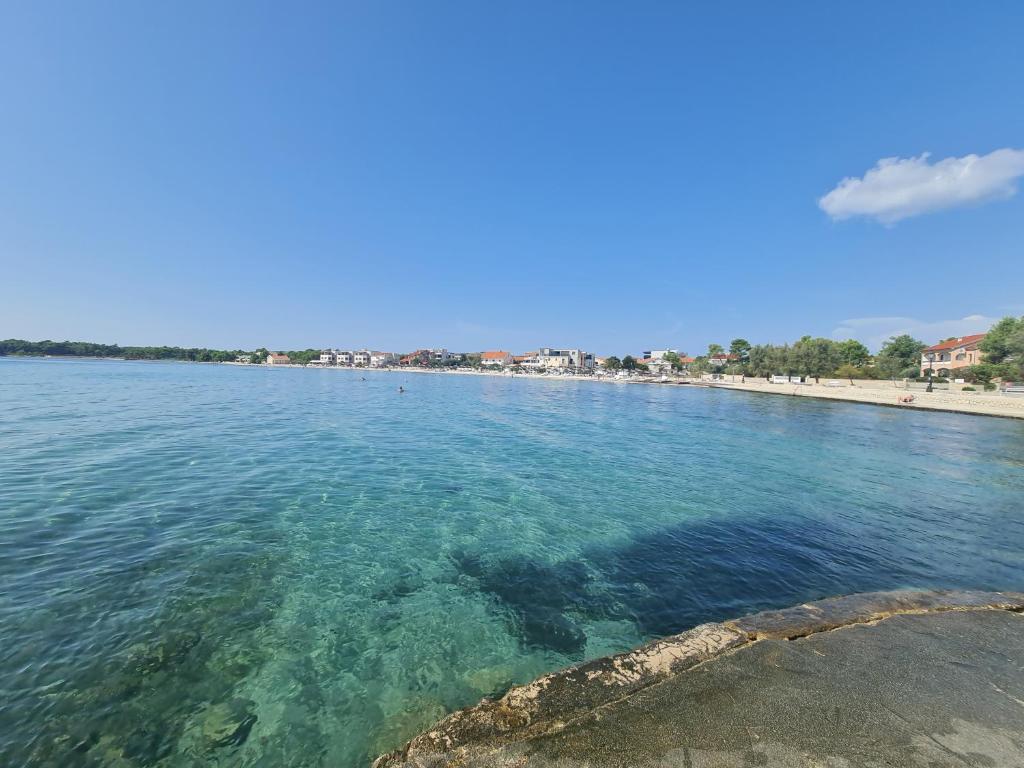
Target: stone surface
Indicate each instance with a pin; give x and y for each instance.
(885, 679)
(836, 612)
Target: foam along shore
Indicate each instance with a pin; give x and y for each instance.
(903, 678)
(885, 393)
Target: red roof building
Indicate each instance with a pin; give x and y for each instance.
(946, 356)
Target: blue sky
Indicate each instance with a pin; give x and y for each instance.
(402, 174)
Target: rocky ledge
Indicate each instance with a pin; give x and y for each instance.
(914, 678)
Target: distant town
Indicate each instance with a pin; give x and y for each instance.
(981, 361)
(962, 358)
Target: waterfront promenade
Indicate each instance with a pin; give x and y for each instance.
(891, 678)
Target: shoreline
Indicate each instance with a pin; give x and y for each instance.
(879, 393)
(969, 403)
(866, 392)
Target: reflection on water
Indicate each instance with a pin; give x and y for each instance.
(218, 565)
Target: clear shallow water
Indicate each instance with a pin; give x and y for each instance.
(210, 565)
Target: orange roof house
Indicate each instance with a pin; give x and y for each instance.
(947, 356)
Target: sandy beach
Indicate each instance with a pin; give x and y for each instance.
(884, 393)
(860, 391)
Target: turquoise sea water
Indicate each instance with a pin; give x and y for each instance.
(214, 565)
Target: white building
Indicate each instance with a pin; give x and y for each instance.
(657, 354)
(382, 359)
(722, 359)
(342, 358)
(549, 357)
(361, 358)
(273, 359)
(497, 357)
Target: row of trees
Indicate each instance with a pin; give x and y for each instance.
(192, 354)
(89, 349)
(627, 363)
(900, 357)
(815, 357)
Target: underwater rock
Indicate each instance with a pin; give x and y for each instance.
(490, 681)
(166, 651)
(228, 723)
(550, 629)
(147, 746)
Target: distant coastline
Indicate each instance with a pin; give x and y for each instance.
(869, 391)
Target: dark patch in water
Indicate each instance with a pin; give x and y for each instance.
(147, 746)
(408, 582)
(686, 574)
(716, 569)
(397, 590)
(240, 734)
(551, 629)
(537, 595)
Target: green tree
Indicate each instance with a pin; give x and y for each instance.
(759, 360)
(303, 356)
(612, 363)
(629, 363)
(1004, 341)
(740, 348)
(673, 359)
(782, 360)
(983, 373)
(715, 349)
(852, 352)
(900, 356)
(700, 364)
(815, 357)
(848, 371)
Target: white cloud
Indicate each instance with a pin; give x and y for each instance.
(897, 187)
(875, 331)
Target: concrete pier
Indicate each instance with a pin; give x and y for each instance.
(882, 679)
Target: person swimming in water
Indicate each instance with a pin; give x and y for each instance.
(401, 390)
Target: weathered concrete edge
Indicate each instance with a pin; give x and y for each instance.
(550, 702)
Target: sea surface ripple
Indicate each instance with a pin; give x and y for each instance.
(232, 566)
